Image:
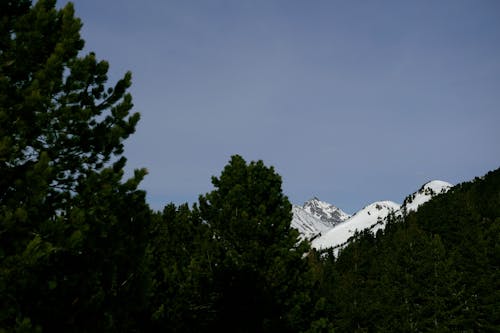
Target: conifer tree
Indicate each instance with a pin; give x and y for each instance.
(72, 232)
(182, 290)
(259, 268)
(431, 270)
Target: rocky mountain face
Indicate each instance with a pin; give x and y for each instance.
(327, 226)
(327, 213)
(370, 217)
(316, 217)
(424, 194)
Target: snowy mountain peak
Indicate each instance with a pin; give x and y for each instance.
(307, 224)
(316, 217)
(374, 216)
(424, 194)
(378, 209)
(329, 227)
(327, 213)
(370, 217)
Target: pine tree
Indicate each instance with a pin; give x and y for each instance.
(182, 292)
(432, 270)
(72, 233)
(259, 268)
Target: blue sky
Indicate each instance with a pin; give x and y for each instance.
(350, 101)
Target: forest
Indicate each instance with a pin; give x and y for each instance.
(82, 251)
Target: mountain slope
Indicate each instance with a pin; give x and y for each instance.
(438, 270)
(371, 217)
(327, 213)
(316, 217)
(424, 194)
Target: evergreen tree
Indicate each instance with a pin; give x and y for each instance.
(259, 265)
(182, 292)
(72, 233)
(436, 269)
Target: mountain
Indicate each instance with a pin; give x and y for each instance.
(329, 227)
(424, 194)
(436, 269)
(370, 217)
(327, 213)
(316, 217)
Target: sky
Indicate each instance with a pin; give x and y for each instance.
(350, 101)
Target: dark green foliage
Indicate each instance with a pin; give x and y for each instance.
(233, 264)
(72, 233)
(182, 292)
(259, 270)
(434, 270)
(80, 250)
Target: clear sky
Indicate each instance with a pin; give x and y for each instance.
(350, 101)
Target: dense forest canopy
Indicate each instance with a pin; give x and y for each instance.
(81, 250)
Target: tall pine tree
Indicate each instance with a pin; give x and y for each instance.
(259, 264)
(72, 232)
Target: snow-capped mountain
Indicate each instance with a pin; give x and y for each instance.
(327, 213)
(371, 217)
(325, 234)
(316, 217)
(424, 194)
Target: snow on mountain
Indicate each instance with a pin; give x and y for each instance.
(307, 224)
(372, 217)
(326, 212)
(316, 217)
(424, 194)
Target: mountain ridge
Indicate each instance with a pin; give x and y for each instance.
(311, 219)
(315, 217)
